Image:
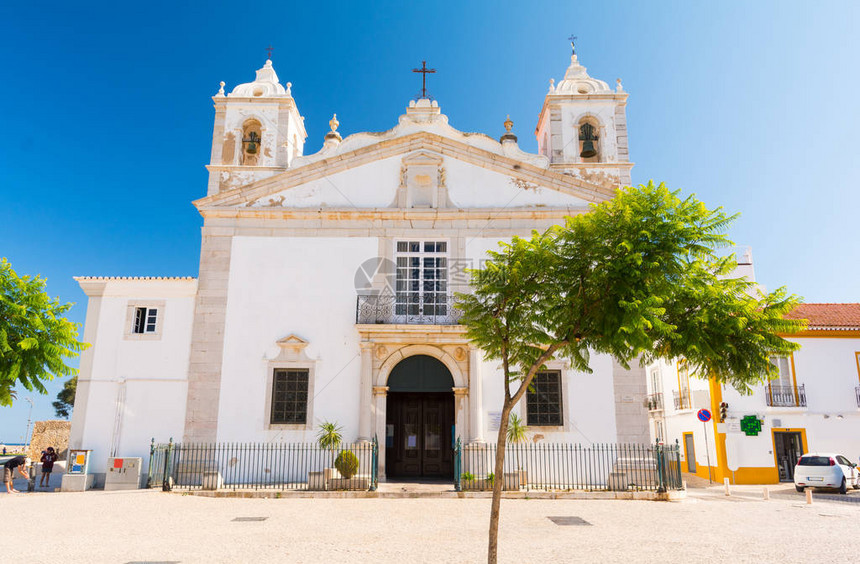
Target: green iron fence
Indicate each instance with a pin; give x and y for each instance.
(262, 466)
(568, 466)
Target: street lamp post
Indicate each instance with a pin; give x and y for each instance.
(29, 420)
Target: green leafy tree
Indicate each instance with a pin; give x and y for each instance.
(66, 398)
(639, 277)
(35, 338)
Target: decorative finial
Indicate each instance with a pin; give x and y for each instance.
(508, 136)
(552, 85)
(289, 89)
(270, 49)
(221, 90)
(618, 87)
(333, 136)
(572, 40)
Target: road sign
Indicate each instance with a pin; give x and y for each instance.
(704, 415)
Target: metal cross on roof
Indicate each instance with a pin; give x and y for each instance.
(424, 70)
(572, 40)
(270, 49)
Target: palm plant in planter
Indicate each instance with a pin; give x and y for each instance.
(329, 438)
(517, 433)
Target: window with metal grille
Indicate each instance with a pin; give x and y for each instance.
(290, 396)
(543, 400)
(145, 320)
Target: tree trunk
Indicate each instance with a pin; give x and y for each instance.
(498, 482)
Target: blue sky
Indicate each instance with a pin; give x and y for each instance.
(108, 117)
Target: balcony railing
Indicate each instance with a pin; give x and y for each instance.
(786, 396)
(654, 402)
(857, 395)
(408, 309)
(680, 401)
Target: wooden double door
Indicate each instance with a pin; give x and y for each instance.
(419, 429)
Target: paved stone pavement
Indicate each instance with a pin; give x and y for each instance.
(151, 526)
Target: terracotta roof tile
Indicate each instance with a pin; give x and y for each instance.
(828, 316)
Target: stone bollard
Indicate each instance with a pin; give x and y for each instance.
(765, 493)
(808, 496)
(726, 483)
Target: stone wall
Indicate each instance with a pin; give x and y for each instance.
(50, 433)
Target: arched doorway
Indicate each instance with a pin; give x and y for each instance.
(419, 419)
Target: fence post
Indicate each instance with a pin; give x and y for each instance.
(661, 466)
(374, 464)
(457, 465)
(165, 483)
(151, 454)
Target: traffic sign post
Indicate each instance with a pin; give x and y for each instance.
(704, 416)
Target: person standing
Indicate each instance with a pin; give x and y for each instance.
(20, 463)
(48, 459)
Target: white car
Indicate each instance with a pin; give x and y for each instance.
(826, 470)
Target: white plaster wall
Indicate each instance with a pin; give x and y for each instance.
(828, 369)
(153, 372)
(282, 286)
(591, 399)
(374, 185)
(470, 186)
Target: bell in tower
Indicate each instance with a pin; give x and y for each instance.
(588, 137)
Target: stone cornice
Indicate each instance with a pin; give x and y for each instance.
(397, 333)
(339, 214)
(94, 286)
(554, 99)
(592, 165)
(520, 170)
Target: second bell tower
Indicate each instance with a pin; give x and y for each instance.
(582, 127)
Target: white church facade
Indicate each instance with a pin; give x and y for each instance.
(326, 287)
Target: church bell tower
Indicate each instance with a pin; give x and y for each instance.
(582, 127)
(258, 132)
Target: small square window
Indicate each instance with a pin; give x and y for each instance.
(544, 400)
(145, 320)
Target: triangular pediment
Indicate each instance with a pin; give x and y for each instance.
(423, 157)
(295, 187)
(292, 341)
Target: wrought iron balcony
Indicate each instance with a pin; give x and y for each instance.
(786, 396)
(408, 309)
(681, 401)
(654, 402)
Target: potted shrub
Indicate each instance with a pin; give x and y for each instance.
(347, 464)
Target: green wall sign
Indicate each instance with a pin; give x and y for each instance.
(751, 425)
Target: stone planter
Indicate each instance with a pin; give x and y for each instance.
(212, 480)
(617, 482)
(512, 481)
(356, 483)
(316, 481)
